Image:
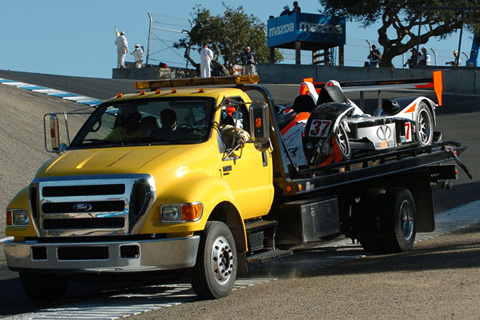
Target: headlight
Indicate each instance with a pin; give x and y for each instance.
(17, 217)
(181, 212)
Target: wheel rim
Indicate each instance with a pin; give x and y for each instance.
(424, 126)
(222, 260)
(407, 220)
(343, 141)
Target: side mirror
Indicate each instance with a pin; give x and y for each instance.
(260, 126)
(54, 133)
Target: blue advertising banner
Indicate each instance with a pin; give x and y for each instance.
(306, 27)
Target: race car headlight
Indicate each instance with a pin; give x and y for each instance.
(17, 217)
(182, 212)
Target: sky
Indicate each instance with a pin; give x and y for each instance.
(76, 37)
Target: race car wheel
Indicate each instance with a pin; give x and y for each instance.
(424, 125)
(215, 271)
(342, 141)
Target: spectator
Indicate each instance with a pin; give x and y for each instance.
(122, 49)
(414, 58)
(206, 56)
(424, 58)
(456, 61)
(138, 55)
(374, 57)
(286, 11)
(296, 8)
(248, 60)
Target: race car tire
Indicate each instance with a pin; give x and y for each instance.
(343, 142)
(215, 271)
(424, 125)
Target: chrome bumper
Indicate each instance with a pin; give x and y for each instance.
(120, 256)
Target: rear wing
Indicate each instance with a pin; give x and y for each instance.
(435, 82)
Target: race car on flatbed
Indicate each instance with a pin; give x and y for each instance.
(336, 129)
(193, 174)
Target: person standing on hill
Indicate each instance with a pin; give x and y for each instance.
(122, 49)
(206, 56)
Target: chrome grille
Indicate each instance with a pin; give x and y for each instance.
(91, 205)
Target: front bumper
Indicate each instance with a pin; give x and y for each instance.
(103, 257)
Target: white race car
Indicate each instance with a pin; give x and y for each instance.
(336, 129)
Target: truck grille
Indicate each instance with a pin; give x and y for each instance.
(86, 205)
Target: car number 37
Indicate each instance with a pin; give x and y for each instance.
(320, 128)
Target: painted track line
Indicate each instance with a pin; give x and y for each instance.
(85, 100)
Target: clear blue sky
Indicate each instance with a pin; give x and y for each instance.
(68, 37)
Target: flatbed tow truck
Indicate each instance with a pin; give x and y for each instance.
(194, 201)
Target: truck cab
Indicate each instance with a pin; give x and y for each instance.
(139, 187)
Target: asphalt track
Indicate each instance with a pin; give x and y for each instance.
(458, 120)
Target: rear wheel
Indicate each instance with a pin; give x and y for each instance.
(424, 125)
(398, 223)
(215, 271)
(43, 287)
(387, 221)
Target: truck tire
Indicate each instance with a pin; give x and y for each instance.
(398, 225)
(43, 287)
(368, 221)
(215, 271)
(424, 125)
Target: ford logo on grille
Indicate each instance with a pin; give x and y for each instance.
(82, 207)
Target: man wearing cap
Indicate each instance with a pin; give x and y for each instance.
(456, 60)
(138, 56)
(248, 60)
(413, 60)
(122, 49)
(285, 12)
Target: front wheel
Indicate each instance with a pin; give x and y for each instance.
(43, 287)
(215, 271)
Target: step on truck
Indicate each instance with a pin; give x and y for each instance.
(195, 175)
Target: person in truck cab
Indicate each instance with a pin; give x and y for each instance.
(168, 120)
(129, 125)
(231, 134)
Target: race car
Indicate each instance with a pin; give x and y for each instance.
(337, 129)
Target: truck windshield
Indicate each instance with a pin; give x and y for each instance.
(147, 121)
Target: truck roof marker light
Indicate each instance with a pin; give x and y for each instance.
(142, 93)
(119, 95)
(192, 211)
(158, 91)
(201, 90)
(174, 91)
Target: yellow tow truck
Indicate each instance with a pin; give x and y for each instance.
(194, 174)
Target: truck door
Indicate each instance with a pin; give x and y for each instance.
(248, 172)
